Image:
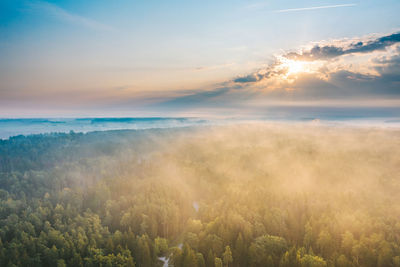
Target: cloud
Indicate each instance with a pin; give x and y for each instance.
(329, 84)
(331, 51)
(312, 8)
(219, 96)
(273, 70)
(389, 67)
(214, 67)
(63, 15)
(344, 93)
(376, 80)
(198, 97)
(248, 79)
(345, 84)
(280, 67)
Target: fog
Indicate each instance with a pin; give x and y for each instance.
(351, 171)
(241, 194)
(290, 158)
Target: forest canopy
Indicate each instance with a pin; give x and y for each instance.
(254, 194)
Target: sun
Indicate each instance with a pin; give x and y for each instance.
(293, 66)
(296, 67)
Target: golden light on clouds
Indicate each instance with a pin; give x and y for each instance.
(295, 67)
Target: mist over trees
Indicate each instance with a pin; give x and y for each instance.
(239, 195)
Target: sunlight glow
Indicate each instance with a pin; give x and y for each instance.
(294, 66)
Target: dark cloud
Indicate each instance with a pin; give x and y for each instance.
(271, 71)
(343, 84)
(358, 85)
(386, 66)
(211, 97)
(332, 51)
(220, 97)
(339, 85)
(247, 79)
(389, 67)
(317, 53)
(319, 86)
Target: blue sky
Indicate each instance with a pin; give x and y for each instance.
(139, 57)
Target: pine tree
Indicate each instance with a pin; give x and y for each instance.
(189, 257)
(200, 260)
(240, 251)
(210, 259)
(217, 262)
(227, 256)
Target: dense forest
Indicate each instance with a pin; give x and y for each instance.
(238, 195)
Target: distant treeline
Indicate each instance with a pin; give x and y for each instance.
(247, 195)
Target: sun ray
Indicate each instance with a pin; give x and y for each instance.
(294, 66)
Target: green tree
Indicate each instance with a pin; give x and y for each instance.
(265, 246)
(61, 263)
(240, 251)
(325, 243)
(227, 256)
(342, 261)
(312, 261)
(217, 262)
(161, 246)
(210, 258)
(177, 257)
(347, 242)
(189, 257)
(200, 260)
(285, 260)
(143, 252)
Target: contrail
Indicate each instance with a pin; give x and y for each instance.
(312, 8)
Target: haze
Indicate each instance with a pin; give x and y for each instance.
(186, 58)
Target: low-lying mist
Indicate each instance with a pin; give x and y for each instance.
(249, 194)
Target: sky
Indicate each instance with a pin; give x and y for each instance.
(192, 58)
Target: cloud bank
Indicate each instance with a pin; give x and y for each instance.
(363, 70)
(372, 70)
(331, 51)
(324, 53)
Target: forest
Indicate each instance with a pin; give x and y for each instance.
(249, 194)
